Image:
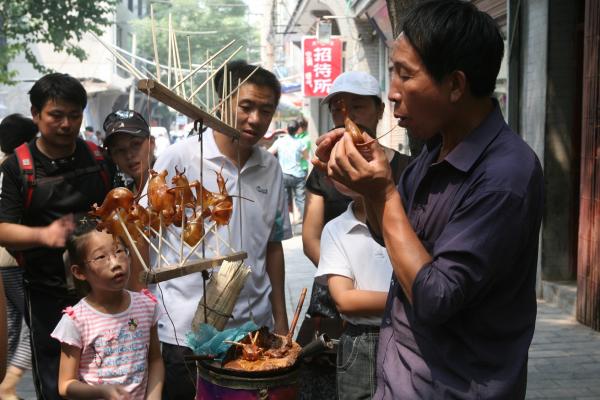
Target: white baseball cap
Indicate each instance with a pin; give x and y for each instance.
(355, 82)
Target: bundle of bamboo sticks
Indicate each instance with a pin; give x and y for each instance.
(221, 294)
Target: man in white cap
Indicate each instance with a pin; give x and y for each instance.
(359, 92)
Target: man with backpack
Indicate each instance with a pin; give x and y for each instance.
(45, 186)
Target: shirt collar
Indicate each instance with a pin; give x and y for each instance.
(468, 151)
(212, 152)
(348, 220)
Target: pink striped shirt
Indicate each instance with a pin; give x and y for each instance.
(114, 347)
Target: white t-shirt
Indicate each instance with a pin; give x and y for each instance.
(114, 347)
(289, 152)
(347, 249)
(265, 219)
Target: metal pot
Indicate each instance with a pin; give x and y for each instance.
(215, 382)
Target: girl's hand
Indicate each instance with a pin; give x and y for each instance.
(114, 392)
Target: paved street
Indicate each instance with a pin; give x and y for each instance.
(564, 360)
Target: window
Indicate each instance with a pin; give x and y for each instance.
(130, 5)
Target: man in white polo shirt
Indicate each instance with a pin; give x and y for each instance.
(265, 223)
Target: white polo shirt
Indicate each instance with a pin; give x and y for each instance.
(265, 219)
(347, 249)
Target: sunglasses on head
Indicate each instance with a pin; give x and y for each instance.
(121, 115)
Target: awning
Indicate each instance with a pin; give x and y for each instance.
(95, 85)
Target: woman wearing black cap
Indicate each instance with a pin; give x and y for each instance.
(130, 145)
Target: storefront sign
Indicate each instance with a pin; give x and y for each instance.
(322, 64)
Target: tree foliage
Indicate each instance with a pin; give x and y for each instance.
(60, 23)
(228, 19)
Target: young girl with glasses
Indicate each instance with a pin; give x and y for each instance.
(109, 342)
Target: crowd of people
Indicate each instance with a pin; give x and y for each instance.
(425, 265)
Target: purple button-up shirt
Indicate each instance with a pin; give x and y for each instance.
(468, 331)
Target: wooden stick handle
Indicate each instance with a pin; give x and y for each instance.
(132, 243)
(296, 316)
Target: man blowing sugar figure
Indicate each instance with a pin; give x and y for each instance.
(462, 227)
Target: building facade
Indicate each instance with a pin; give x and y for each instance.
(366, 33)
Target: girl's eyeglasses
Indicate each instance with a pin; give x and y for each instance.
(103, 260)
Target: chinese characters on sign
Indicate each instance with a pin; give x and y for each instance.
(322, 64)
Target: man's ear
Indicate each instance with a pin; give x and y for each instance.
(77, 272)
(458, 85)
(35, 115)
(381, 110)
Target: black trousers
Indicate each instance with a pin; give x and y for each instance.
(44, 310)
(180, 376)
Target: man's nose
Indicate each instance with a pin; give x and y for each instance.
(131, 151)
(65, 122)
(253, 117)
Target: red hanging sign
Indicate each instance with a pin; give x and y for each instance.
(322, 64)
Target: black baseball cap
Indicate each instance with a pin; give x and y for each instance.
(125, 121)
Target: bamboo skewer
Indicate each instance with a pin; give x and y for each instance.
(229, 105)
(181, 240)
(133, 70)
(212, 91)
(150, 74)
(193, 250)
(175, 65)
(208, 60)
(223, 91)
(208, 71)
(190, 62)
(199, 242)
(172, 247)
(217, 236)
(154, 44)
(170, 41)
(295, 320)
(151, 244)
(215, 72)
(132, 243)
(160, 236)
(234, 91)
(178, 59)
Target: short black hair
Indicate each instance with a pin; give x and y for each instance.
(76, 241)
(57, 86)
(302, 122)
(293, 127)
(16, 129)
(453, 35)
(239, 70)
